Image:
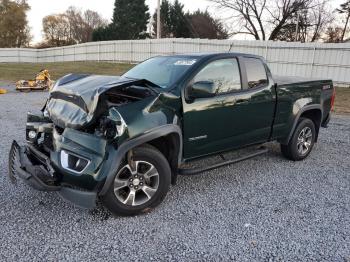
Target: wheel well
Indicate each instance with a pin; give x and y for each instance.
(169, 146)
(316, 116)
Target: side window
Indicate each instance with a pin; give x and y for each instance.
(224, 73)
(256, 73)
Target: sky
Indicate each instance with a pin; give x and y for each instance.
(42, 8)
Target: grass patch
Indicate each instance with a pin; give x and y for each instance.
(342, 100)
(19, 71)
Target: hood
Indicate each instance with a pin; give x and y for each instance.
(76, 99)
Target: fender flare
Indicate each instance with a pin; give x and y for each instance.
(296, 120)
(117, 155)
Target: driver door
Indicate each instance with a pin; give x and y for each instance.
(209, 122)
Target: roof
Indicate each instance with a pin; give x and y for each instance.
(211, 54)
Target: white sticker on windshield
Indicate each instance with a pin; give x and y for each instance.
(185, 62)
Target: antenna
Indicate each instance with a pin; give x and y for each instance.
(231, 45)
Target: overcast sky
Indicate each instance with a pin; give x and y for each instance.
(41, 8)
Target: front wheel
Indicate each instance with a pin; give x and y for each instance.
(302, 141)
(141, 186)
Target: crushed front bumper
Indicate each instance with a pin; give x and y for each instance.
(35, 169)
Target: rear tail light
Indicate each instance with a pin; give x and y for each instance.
(333, 99)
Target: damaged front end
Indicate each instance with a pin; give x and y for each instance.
(73, 142)
(47, 161)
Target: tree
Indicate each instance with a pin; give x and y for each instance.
(130, 19)
(102, 34)
(345, 9)
(264, 19)
(173, 20)
(179, 22)
(82, 24)
(166, 24)
(14, 30)
(57, 30)
(71, 27)
(311, 23)
(203, 25)
(333, 35)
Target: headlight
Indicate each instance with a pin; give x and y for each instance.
(113, 125)
(32, 134)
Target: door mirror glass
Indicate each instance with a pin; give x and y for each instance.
(202, 89)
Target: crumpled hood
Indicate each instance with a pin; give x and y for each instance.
(74, 99)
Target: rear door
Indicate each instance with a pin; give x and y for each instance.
(240, 114)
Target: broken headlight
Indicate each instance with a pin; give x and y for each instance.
(113, 125)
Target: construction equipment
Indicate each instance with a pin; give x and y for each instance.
(42, 81)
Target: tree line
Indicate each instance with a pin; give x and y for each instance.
(284, 20)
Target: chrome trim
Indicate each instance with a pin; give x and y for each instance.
(197, 138)
(64, 161)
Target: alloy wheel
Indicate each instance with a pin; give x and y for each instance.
(304, 140)
(135, 185)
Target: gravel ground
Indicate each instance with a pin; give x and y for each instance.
(264, 209)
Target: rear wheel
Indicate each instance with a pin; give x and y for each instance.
(302, 141)
(140, 186)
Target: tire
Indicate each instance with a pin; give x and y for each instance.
(301, 142)
(138, 190)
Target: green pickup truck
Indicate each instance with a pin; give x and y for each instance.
(125, 139)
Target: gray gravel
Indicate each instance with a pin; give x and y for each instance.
(266, 208)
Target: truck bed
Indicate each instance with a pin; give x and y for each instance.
(288, 80)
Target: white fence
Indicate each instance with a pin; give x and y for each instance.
(315, 60)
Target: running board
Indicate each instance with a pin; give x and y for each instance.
(195, 171)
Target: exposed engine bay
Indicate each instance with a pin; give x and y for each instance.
(78, 101)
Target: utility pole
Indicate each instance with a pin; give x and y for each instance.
(158, 20)
(297, 27)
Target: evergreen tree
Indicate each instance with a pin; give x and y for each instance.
(203, 25)
(130, 19)
(173, 20)
(165, 20)
(180, 23)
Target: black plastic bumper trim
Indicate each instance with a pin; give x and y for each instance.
(18, 160)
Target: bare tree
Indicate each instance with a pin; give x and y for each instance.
(71, 27)
(267, 19)
(311, 23)
(345, 9)
(248, 14)
(82, 24)
(320, 18)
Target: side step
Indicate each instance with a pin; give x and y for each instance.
(195, 171)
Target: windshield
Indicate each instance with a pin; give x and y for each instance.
(162, 71)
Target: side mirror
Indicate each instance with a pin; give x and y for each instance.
(202, 89)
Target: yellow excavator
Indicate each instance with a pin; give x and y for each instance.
(42, 81)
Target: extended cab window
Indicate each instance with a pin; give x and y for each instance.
(256, 73)
(224, 73)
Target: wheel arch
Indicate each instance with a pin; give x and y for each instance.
(170, 134)
(312, 112)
